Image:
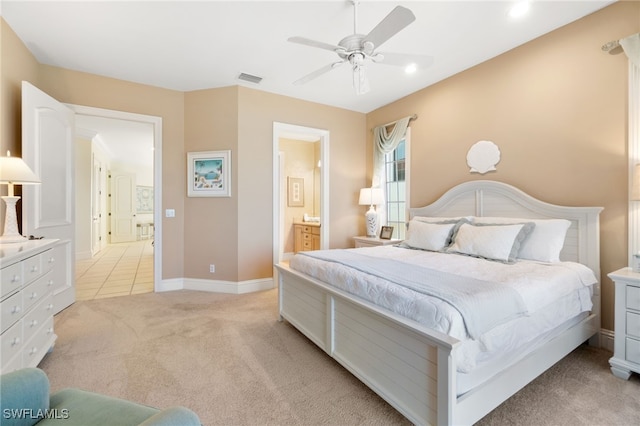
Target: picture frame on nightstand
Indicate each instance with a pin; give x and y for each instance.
(386, 232)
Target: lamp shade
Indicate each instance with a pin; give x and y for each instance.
(13, 170)
(370, 197)
(635, 184)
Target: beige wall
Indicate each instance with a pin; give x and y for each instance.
(556, 107)
(257, 112)
(211, 224)
(16, 64)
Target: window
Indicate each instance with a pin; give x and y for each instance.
(396, 189)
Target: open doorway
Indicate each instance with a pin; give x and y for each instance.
(315, 203)
(119, 191)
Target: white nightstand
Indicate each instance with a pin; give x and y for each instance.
(626, 355)
(373, 241)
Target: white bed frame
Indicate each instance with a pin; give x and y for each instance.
(412, 367)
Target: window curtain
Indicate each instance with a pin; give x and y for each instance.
(631, 47)
(384, 142)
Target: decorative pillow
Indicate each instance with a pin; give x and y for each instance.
(429, 236)
(545, 241)
(493, 242)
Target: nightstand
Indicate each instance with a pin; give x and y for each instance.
(373, 241)
(626, 355)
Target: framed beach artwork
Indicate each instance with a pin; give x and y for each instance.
(209, 174)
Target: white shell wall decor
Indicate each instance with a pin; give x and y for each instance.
(483, 157)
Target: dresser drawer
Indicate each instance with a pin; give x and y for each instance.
(633, 324)
(11, 279)
(36, 290)
(47, 261)
(32, 268)
(11, 345)
(633, 297)
(39, 344)
(11, 310)
(38, 316)
(633, 350)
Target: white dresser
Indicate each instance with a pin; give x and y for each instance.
(26, 303)
(626, 356)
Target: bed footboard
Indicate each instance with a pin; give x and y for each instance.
(411, 368)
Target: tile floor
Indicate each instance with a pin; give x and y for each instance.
(117, 270)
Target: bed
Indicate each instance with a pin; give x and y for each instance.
(423, 370)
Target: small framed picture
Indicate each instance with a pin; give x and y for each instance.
(386, 232)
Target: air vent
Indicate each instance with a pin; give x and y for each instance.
(250, 78)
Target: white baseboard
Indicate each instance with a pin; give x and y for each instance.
(216, 286)
(606, 339)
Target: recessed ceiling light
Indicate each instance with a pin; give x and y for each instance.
(519, 9)
(411, 68)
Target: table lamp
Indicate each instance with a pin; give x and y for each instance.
(13, 171)
(371, 197)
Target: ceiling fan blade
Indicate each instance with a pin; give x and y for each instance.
(313, 43)
(317, 73)
(393, 23)
(404, 59)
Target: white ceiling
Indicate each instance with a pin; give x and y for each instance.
(188, 46)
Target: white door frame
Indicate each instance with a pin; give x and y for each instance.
(156, 122)
(281, 130)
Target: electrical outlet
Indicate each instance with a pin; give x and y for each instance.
(212, 268)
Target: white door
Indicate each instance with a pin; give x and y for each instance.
(123, 207)
(48, 209)
(96, 206)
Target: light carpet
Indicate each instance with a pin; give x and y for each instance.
(229, 359)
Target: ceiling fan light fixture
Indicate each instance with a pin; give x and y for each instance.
(360, 81)
(411, 68)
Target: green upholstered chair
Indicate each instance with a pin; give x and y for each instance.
(25, 401)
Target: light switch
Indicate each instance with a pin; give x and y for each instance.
(170, 213)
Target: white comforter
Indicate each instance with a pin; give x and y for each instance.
(544, 287)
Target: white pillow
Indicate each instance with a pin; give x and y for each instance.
(545, 241)
(429, 236)
(494, 242)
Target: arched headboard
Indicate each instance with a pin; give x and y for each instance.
(492, 198)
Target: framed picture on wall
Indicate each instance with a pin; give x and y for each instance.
(209, 174)
(295, 192)
(144, 199)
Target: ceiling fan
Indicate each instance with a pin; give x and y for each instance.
(358, 49)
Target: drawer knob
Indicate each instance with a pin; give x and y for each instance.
(34, 295)
(34, 269)
(49, 283)
(15, 279)
(16, 309)
(34, 323)
(52, 260)
(33, 350)
(49, 306)
(15, 341)
(50, 330)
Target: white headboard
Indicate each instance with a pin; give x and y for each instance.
(491, 198)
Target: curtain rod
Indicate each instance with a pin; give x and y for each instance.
(412, 118)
